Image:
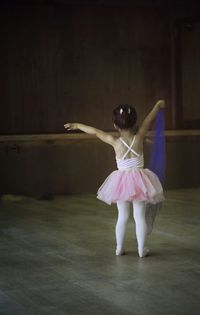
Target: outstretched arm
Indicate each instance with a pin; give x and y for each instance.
(102, 135)
(150, 118)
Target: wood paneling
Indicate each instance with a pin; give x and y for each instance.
(61, 63)
(190, 66)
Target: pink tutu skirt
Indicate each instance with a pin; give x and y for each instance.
(128, 185)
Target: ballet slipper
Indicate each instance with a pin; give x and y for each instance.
(144, 253)
(119, 252)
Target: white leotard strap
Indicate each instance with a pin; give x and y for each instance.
(129, 147)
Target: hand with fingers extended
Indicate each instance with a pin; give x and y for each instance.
(71, 126)
(161, 103)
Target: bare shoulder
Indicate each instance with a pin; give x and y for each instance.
(117, 145)
(138, 135)
(139, 140)
(107, 137)
(115, 140)
(140, 130)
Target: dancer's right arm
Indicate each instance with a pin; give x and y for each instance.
(102, 135)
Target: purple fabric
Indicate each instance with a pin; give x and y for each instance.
(157, 157)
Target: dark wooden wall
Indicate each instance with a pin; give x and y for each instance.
(189, 72)
(62, 63)
(75, 60)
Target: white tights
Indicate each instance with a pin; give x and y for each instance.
(139, 210)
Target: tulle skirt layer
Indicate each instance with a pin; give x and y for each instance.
(129, 185)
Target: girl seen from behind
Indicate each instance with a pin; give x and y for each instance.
(131, 186)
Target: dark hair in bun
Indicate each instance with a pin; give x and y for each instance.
(124, 116)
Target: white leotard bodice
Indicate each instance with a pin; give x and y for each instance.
(135, 162)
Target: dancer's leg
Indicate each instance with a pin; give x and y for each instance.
(120, 230)
(139, 210)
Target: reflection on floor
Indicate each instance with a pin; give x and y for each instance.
(57, 257)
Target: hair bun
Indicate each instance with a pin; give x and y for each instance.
(124, 116)
(124, 108)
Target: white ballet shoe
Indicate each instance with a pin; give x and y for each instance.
(119, 252)
(144, 253)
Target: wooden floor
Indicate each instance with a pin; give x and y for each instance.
(57, 258)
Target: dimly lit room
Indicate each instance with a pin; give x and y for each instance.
(100, 157)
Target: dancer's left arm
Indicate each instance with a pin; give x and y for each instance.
(150, 118)
(102, 135)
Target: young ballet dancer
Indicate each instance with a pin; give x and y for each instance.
(130, 185)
